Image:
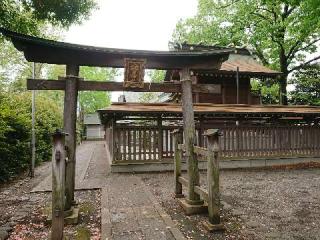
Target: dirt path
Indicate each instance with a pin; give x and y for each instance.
(25, 203)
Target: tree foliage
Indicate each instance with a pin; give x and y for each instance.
(15, 134)
(27, 16)
(281, 32)
(156, 76)
(91, 101)
(306, 86)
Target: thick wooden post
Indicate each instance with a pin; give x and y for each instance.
(115, 142)
(58, 184)
(213, 175)
(70, 119)
(177, 137)
(189, 136)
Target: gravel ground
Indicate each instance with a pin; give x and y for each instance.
(26, 213)
(259, 204)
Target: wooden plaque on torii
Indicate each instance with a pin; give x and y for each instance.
(134, 73)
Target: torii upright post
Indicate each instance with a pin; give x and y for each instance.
(69, 122)
(193, 204)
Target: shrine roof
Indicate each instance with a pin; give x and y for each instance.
(209, 109)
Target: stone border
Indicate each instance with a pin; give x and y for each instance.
(165, 217)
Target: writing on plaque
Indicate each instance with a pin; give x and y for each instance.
(134, 72)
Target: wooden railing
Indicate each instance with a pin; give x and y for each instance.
(143, 143)
(210, 193)
(264, 141)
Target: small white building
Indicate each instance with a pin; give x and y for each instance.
(94, 130)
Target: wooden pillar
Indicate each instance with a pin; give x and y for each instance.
(213, 177)
(189, 136)
(160, 139)
(58, 185)
(70, 119)
(177, 136)
(115, 141)
(224, 92)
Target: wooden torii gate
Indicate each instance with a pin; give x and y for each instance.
(74, 56)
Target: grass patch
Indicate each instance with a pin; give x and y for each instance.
(83, 233)
(86, 208)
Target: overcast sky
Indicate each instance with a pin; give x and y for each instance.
(135, 24)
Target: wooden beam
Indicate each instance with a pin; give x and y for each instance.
(42, 84)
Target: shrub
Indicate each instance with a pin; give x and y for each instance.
(15, 131)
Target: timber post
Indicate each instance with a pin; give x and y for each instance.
(177, 136)
(58, 184)
(69, 123)
(189, 136)
(213, 178)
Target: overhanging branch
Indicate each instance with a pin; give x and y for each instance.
(304, 64)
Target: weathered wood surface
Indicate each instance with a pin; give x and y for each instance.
(143, 144)
(177, 162)
(58, 185)
(255, 142)
(69, 125)
(213, 176)
(189, 137)
(42, 84)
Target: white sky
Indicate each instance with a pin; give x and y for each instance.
(135, 24)
(132, 24)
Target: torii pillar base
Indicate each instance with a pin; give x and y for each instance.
(71, 216)
(213, 227)
(194, 208)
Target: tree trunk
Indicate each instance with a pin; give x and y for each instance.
(284, 77)
(283, 89)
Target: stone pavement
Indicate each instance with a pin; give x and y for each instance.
(87, 153)
(128, 208)
(129, 211)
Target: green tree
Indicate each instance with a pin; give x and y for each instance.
(15, 135)
(306, 86)
(93, 100)
(27, 16)
(281, 32)
(156, 76)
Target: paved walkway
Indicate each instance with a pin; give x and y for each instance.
(89, 154)
(128, 208)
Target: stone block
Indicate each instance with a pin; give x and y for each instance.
(190, 209)
(213, 227)
(71, 216)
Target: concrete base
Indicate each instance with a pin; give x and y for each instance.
(224, 164)
(192, 209)
(71, 217)
(213, 227)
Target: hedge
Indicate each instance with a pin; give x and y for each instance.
(15, 131)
